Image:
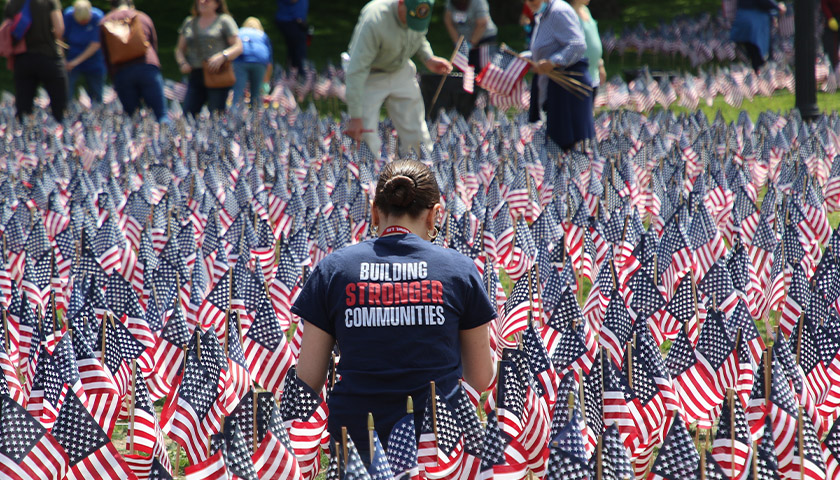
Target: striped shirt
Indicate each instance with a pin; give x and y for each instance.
(558, 35)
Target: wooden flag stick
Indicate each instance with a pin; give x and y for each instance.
(104, 338)
(799, 337)
(655, 269)
(371, 443)
(768, 375)
(6, 332)
(344, 446)
(571, 400)
(177, 466)
(694, 296)
(198, 343)
(132, 405)
(443, 79)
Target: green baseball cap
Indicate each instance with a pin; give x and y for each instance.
(419, 14)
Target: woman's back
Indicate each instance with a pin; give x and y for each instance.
(395, 306)
(256, 47)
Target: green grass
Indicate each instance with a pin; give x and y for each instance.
(652, 13)
(780, 102)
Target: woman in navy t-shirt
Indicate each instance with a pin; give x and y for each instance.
(404, 312)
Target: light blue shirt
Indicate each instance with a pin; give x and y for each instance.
(558, 35)
(256, 47)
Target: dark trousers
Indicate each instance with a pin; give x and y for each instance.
(140, 81)
(830, 45)
(754, 54)
(294, 34)
(198, 94)
(34, 69)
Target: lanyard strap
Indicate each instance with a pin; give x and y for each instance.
(395, 230)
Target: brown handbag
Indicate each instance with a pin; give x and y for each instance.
(222, 78)
(125, 39)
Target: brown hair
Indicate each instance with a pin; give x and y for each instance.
(220, 9)
(406, 187)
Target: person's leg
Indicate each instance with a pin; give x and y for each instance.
(196, 93)
(256, 73)
(299, 49)
(217, 99)
(26, 84)
(754, 54)
(151, 89)
(294, 35)
(376, 91)
(54, 77)
(241, 71)
(72, 80)
(95, 84)
(125, 87)
(405, 106)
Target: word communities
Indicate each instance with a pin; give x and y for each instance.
(393, 294)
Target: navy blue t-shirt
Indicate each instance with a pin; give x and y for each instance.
(395, 306)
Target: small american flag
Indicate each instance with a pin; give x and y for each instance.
(502, 73)
(304, 414)
(29, 450)
(678, 458)
(89, 450)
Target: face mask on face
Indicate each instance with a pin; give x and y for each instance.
(542, 8)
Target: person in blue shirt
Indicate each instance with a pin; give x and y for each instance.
(291, 20)
(84, 55)
(402, 311)
(253, 67)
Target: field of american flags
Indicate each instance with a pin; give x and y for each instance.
(642, 273)
(639, 280)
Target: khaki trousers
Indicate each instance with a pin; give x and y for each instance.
(400, 93)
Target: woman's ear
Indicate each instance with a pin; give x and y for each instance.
(431, 218)
(374, 216)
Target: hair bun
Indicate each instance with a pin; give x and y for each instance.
(400, 191)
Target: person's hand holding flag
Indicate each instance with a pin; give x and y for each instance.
(439, 65)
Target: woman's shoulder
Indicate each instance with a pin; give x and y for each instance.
(227, 18)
